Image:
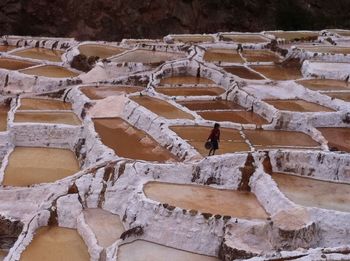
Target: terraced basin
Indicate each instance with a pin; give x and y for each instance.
(14, 65)
(243, 117)
(201, 105)
(3, 117)
(130, 142)
(68, 118)
(230, 140)
(206, 199)
(296, 35)
(298, 106)
(141, 250)
(6, 48)
(101, 92)
(338, 138)
(345, 96)
(56, 244)
(191, 91)
(147, 57)
(243, 73)
(260, 56)
(50, 71)
(245, 38)
(99, 50)
(278, 72)
(40, 54)
(325, 85)
(32, 165)
(223, 55)
(314, 193)
(161, 108)
(191, 80)
(192, 38)
(327, 49)
(43, 104)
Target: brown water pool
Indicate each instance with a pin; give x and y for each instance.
(146, 56)
(260, 56)
(245, 38)
(324, 85)
(191, 91)
(101, 92)
(6, 48)
(338, 138)
(314, 193)
(40, 54)
(177, 80)
(193, 38)
(230, 140)
(13, 64)
(130, 142)
(31, 165)
(51, 71)
(43, 104)
(3, 117)
(161, 108)
(298, 106)
(48, 117)
(265, 139)
(141, 250)
(345, 96)
(243, 117)
(243, 73)
(106, 226)
(56, 244)
(295, 35)
(327, 49)
(211, 105)
(278, 72)
(223, 55)
(102, 51)
(3, 254)
(206, 199)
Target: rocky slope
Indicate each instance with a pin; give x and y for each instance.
(117, 19)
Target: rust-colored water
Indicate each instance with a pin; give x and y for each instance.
(260, 56)
(141, 250)
(345, 96)
(3, 117)
(193, 38)
(324, 85)
(338, 138)
(314, 193)
(243, 72)
(130, 142)
(279, 72)
(6, 48)
(12, 64)
(106, 226)
(223, 55)
(211, 105)
(102, 51)
(243, 117)
(177, 80)
(40, 54)
(230, 140)
(191, 91)
(148, 57)
(51, 71)
(56, 244)
(298, 106)
(206, 199)
(48, 117)
(264, 139)
(31, 165)
(245, 38)
(292, 35)
(161, 108)
(101, 92)
(43, 104)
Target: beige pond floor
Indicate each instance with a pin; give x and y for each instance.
(106, 226)
(223, 55)
(193, 38)
(243, 117)
(51, 71)
(327, 49)
(3, 117)
(338, 138)
(32, 165)
(201, 105)
(43, 104)
(141, 250)
(265, 139)
(102, 51)
(177, 80)
(161, 108)
(146, 56)
(230, 139)
(325, 85)
(260, 56)
(294, 35)
(40, 54)
(279, 72)
(97, 93)
(205, 199)
(243, 72)
(68, 118)
(130, 142)
(56, 244)
(245, 38)
(298, 106)
(191, 91)
(345, 96)
(314, 193)
(13, 64)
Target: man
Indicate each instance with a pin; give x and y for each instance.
(214, 138)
